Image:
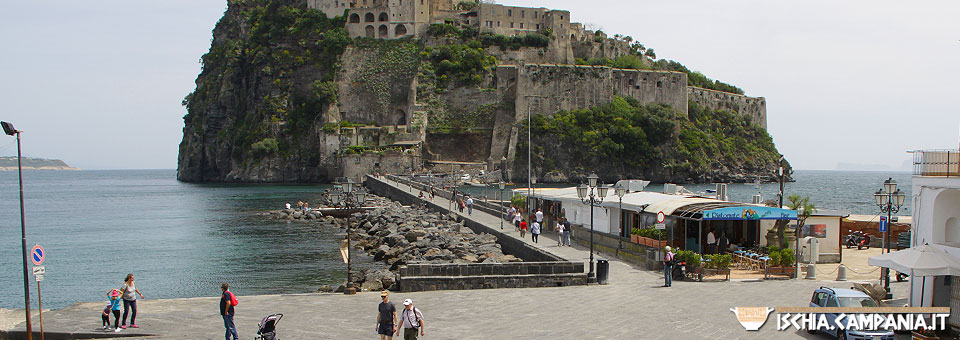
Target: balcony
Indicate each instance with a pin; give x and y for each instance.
(944, 163)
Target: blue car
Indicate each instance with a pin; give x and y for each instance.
(840, 297)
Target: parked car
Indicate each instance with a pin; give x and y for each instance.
(841, 297)
(465, 177)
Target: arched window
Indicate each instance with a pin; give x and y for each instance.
(354, 18)
(400, 31)
(383, 16)
(573, 37)
(383, 30)
(401, 117)
(370, 31)
(368, 17)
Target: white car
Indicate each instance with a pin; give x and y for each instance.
(465, 177)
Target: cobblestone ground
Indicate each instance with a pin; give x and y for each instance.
(632, 306)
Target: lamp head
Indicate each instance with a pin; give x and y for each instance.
(361, 196)
(899, 198)
(8, 128)
(582, 191)
(890, 185)
(602, 191)
(879, 197)
(621, 191)
(592, 180)
(500, 185)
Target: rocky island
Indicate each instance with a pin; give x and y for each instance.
(312, 90)
(28, 163)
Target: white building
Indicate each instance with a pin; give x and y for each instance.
(936, 221)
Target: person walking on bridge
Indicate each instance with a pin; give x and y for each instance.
(469, 205)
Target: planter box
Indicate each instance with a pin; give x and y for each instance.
(635, 239)
(651, 242)
(782, 271)
(918, 336)
(699, 273)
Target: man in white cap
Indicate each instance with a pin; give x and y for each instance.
(411, 319)
(668, 267)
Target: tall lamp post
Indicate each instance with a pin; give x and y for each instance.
(620, 191)
(501, 203)
(352, 197)
(889, 199)
(593, 195)
(11, 131)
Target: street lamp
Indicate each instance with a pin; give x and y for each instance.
(352, 196)
(620, 190)
(11, 131)
(593, 195)
(501, 203)
(889, 199)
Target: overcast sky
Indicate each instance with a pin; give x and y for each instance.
(99, 83)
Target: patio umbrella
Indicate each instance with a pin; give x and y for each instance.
(923, 261)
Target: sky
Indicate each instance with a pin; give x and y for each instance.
(849, 84)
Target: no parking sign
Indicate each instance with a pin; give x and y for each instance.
(37, 255)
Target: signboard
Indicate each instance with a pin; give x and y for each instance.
(39, 270)
(39, 277)
(37, 255)
(661, 217)
(883, 224)
(749, 213)
(815, 230)
(660, 226)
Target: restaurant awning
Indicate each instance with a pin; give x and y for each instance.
(749, 213)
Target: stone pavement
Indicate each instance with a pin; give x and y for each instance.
(632, 306)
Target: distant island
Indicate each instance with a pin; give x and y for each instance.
(10, 164)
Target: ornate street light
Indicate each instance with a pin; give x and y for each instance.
(889, 199)
(352, 196)
(593, 195)
(621, 191)
(11, 131)
(501, 203)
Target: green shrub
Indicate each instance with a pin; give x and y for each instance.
(718, 261)
(518, 201)
(773, 249)
(774, 258)
(690, 257)
(786, 258)
(265, 147)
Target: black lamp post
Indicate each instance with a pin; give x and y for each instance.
(620, 191)
(11, 131)
(889, 199)
(501, 203)
(593, 195)
(352, 197)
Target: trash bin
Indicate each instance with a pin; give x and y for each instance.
(603, 271)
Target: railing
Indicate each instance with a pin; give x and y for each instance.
(936, 163)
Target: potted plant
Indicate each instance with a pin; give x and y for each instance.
(781, 263)
(924, 334)
(635, 235)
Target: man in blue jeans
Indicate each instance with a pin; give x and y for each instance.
(226, 310)
(566, 231)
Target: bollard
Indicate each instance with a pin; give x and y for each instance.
(811, 272)
(842, 273)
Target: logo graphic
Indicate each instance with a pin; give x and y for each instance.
(752, 318)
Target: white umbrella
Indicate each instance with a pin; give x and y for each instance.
(925, 260)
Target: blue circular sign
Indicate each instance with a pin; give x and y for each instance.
(37, 254)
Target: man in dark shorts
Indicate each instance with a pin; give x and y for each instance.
(387, 317)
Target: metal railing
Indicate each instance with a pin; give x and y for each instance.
(936, 162)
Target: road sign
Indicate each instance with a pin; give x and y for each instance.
(661, 217)
(660, 226)
(883, 224)
(39, 270)
(39, 277)
(37, 254)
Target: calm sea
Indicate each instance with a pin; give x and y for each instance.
(183, 240)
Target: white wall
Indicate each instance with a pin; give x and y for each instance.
(936, 220)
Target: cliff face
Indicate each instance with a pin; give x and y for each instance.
(286, 95)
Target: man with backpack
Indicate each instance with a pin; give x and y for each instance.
(410, 319)
(227, 302)
(668, 267)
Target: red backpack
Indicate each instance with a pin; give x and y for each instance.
(233, 299)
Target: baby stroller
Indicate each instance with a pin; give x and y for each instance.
(268, 327)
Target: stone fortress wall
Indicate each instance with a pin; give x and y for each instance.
(538, 80)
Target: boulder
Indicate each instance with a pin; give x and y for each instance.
(297, 214)
(325, 289)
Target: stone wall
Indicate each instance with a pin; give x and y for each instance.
(753, 107)
(427, 277)
(458, 147)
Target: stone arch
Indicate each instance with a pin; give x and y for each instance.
(400, 31)
(946, 213)
(401, 117)
(368, 17)
(952, 231)
(573, 37)
(383, 16)
(370, 32)
(354, 18)
(383, 31)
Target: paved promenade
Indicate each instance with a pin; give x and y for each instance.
(632, 306)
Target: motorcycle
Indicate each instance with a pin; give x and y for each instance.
(679, 270)
(857, 239)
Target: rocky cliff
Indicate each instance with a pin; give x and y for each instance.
(286, 95)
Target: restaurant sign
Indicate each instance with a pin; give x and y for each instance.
(749, 213)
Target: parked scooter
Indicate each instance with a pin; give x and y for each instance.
(857, 239)
(680, 270)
